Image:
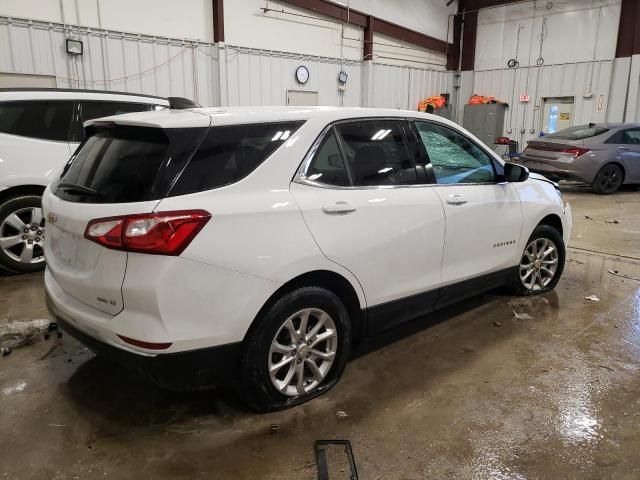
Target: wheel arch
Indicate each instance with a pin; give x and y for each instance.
(329, 280)
(553, 220)
(21, 190)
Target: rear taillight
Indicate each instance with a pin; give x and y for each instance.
(575, 152)
(160, 233)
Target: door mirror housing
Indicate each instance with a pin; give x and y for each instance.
(515, 173)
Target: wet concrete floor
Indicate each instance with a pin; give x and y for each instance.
(473, 393)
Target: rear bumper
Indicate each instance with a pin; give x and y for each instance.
(556, 170)
(186, 370)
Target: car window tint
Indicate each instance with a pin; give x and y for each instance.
(327, 165)
(230, 153)
(454, 159)
(90, 110)
(377, 153)
(47, 120)
(125, 164)
(630, 137)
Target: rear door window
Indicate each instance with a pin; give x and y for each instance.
(327, 166)
(376, 152)
(43, 119)
(89, 110)
(123, 164)
(230, 153)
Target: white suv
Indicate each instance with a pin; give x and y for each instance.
(39, 130)
(254, 245)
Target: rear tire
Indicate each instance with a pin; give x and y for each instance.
(541, 264)
(608, 180)
(22, 235)
(281, 338)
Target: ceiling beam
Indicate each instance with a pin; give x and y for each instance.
(218, 20)
(378, 25)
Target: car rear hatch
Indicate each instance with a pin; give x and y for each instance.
(119, 170)
(546, 150)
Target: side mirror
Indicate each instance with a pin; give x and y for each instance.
(515, 173)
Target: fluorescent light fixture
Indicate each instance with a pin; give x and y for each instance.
(385, 170)
(285, 135)
(277, 136)
(74, 47)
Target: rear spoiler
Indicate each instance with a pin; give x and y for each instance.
(180, 103)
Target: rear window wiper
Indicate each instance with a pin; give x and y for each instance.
(79, 189)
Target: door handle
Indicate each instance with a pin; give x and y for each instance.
(338, 208)
(624, 149)
(456, 199)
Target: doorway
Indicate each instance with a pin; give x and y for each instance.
(557, 114)
(302, 98)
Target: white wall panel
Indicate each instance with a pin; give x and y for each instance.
(569, 80)
(260, 77)
(404, 87)
(576, 31)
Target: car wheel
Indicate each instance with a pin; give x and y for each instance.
(22, 235)
(608, 180)
(297, 350)
(541, 263)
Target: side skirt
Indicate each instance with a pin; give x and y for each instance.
(391, 314)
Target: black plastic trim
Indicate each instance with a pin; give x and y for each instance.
(79, 90)
(391, 314)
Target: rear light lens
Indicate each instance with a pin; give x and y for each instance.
(160, 233)
(575, 152)
(143, 344)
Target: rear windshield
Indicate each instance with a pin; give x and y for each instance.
(578, 133)
(126, 164)
(230, 153)
(121, 164)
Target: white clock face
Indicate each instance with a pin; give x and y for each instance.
(302, 74)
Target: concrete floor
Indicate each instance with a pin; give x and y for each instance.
(556, 395)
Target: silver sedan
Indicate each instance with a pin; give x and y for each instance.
(605, 156)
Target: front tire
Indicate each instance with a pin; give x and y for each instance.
(541, 264)
(608, 180)
(297, 350)
(22, 235)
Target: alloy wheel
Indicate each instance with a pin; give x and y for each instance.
(609, 179)
(539, 264)
(302, 352)
(22, 235)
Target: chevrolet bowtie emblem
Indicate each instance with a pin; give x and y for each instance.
(52, 217)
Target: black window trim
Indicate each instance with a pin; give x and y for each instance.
(300, 177)
(69, 127)
(499, 179)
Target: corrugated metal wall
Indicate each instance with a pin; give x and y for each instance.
(567, 80)
(210, 74)
(404, 87)
(262, 77)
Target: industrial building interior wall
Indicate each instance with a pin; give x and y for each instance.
(562, 49)
(184, 19)
(160, 55)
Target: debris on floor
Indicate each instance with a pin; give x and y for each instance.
(342, 414)
(497, 324)
(592, 298)
(573, 260)
(611, 221)
(615, 272)
(587, 217)
(522, 316)
(273, 429)
(19, 333)
(13, 389)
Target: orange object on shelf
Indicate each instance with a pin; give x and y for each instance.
(476, 99)
(434, 101)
